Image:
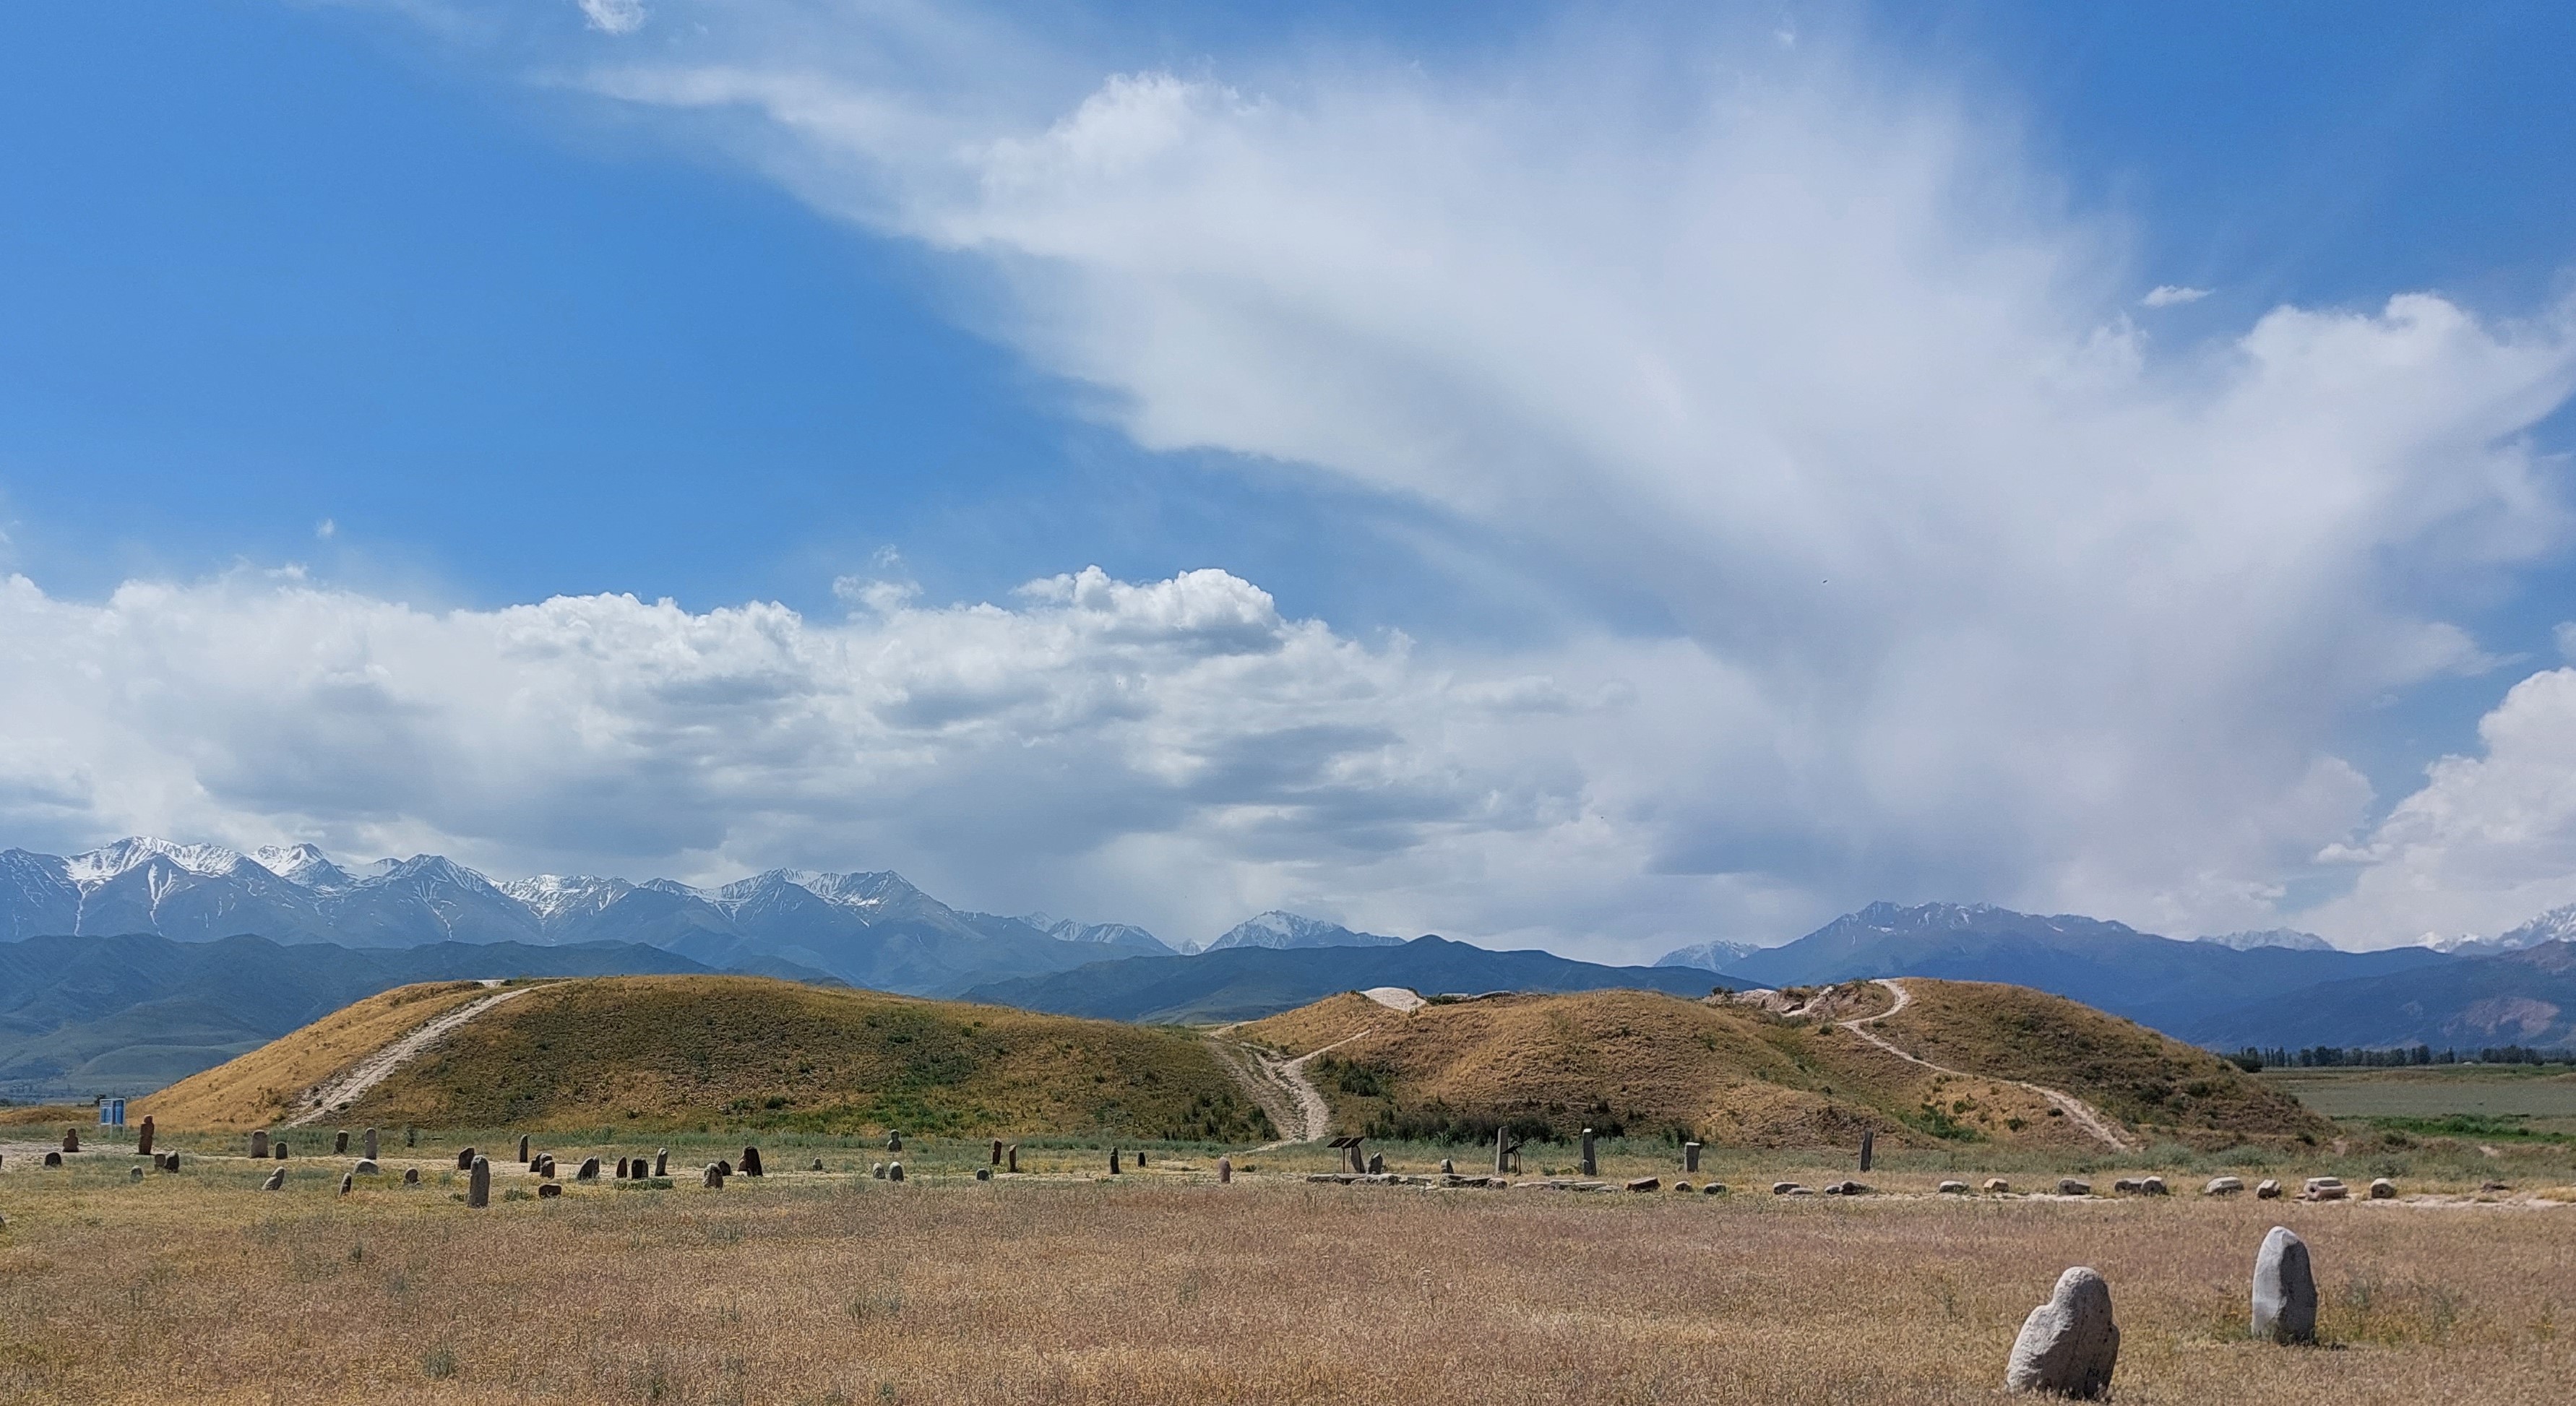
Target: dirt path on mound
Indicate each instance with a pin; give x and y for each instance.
(372, 1070)
(2082, 1114)
(1296, 1107)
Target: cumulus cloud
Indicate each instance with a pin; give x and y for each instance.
(2165, 295)
(1977, 593)
(614, 16)
(2489, 841)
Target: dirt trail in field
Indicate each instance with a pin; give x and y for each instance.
(374, 1069)
(2082, 1114)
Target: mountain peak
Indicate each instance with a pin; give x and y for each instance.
(301, 864)
(106, 862)
(2290, 938)
(1280, 929)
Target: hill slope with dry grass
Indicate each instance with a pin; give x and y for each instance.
(1639, 1063)
(264, 1086)
(704, 1052)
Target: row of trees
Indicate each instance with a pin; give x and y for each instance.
(2251, 1059)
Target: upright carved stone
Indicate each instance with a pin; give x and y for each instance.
(1690, 1157)
(371, 1144)
(1591, 1164)
(894, 1142)
(621, 1169)
(877, 1170)
(894, 1171)
(1224, 1170)
(662, 1162)
(1448, 1168)
(1113, 1161)
(478, 1182)
(1376, 1163)
(465, 1160)
(751, 1162)
(143, 1138)
(340, 1143)
(279, 1147)
(2285, 1289)
(523, 1149)
(259, 1143)
(1502, 1150)
(1868, 1145)
(348, 1182)
(589, 1170)
(71, 1139)
(2069, 1344)
(714, 1179)
(1011, 1158)
(997, 1152)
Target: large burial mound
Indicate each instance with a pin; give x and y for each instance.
(1786, 1071)
(687, 1052)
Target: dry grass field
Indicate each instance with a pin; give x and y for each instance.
(1163, 1287)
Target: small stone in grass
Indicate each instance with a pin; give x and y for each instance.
(276, 1181)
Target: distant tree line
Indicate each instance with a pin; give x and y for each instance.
(2252, 1059)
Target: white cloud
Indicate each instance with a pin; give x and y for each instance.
(2489, 842)
(1981, 594)
(2165, 295)
(614, 16)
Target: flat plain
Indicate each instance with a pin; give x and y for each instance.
(1161, 1286)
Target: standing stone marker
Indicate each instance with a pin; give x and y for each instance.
(2285, 1289)
(589, 1170)
(1591, 1165)
(276, 1181)
(367, 1168)
(2382, 1189)
(1448, 1168)
(1011, 1158)
(259, 1143)
(894, 1171)
(751, 1161)
(465, 1160)
(877, 1170)
(1868, 1144)
(662, 1162)
(143, 1139)
(523, 1149)
(1502, 1150)
(1690, 1157)
(348, 1183)
(340, 1144)
(1376, 1163)
(894, 1142)
(1113, 1161)
(714, 1179)
(549, 1190)
(1224, 1170)
(997, 1152)
(53, 1159)
(371, 1144)
(621, 1169)
(2069, 1344)
(478, 1182)
(134, 1174)
(71, 1139)
(279, 1147)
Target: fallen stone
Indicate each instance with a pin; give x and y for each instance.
(1715, 1188)
(2069, 1186)
(1646, 1184)
(983, 1174)
(2128, 1186)
(478, 1183)
(134, 1174)
(2069, 1344)
(2285, 1289)
(2153, 1186)
(1997, 1185)
(1847, 1188)
(2336, 1192)
(1783, 1188)
(2223, 1186)
(2267, 1190)
(169, 1161)
(894, 1171)
(411, 1176)
(53, 1159)
(366, 1168)
(751, 1162)
(276, 1181)
(1682, 1188)
(1953, 1188)
(2382, 1189)
(549, 1189)
(2495, 1186)
(2320, 1183)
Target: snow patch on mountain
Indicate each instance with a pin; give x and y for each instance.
(1708, 956)
(553, 896)
(2290, 938)
(1277, 929)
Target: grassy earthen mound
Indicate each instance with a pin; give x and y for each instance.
(677, 1052)
(266, 1085)
(1646, 1064)
(2129, 1072)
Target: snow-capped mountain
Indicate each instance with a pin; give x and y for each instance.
(1099, 934)
(2556, 925)
(1278, 929)
(2290, 938)
(1708, 956)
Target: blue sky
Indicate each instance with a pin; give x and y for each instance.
(519, 315)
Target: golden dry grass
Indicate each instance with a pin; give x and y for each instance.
(257, 1089)
(69, 1115)
(1167, 1289)
(1645, 1063)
